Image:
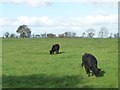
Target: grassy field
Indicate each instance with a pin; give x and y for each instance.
(27, 63)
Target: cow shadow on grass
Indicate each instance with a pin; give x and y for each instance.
(61, 52)
(41, 81)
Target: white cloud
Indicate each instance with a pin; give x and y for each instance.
(107, 1)
(33, 3)
(41, 3)
(4, 22)
(27, 20)
(102, 19)
(73, 21)
(45, 21)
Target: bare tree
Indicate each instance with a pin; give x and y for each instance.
(90, 32)
(83, 35)
(37, 36)
(12, 35)
(70, 34)
(103, 33)
(6, 34)
(116, 35)
(44, 35)
(111, 35)
(33, 35)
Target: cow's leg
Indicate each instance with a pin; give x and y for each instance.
(57, 51)
(92, 73)
(53, 52)
(91, 68)
(87, 71)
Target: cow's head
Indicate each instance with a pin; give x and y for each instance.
(97, 72)
(51, 52)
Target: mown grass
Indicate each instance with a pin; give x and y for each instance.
(27, 63)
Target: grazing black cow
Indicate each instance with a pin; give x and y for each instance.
(90, 63)
(55, 48)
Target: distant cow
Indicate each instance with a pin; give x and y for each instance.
(55, 48)
(90, 63)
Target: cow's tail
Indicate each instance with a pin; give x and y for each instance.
(81, 64)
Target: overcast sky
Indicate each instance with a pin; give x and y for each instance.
(58, 16)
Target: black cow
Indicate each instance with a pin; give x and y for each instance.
(55, 48)
(90, 63)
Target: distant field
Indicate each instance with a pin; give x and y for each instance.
(27, 63)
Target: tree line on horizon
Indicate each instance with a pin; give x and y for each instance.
(25, 32)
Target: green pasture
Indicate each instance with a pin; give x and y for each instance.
(26, 63)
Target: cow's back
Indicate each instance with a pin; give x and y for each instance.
(57, 46)
(89, 61)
